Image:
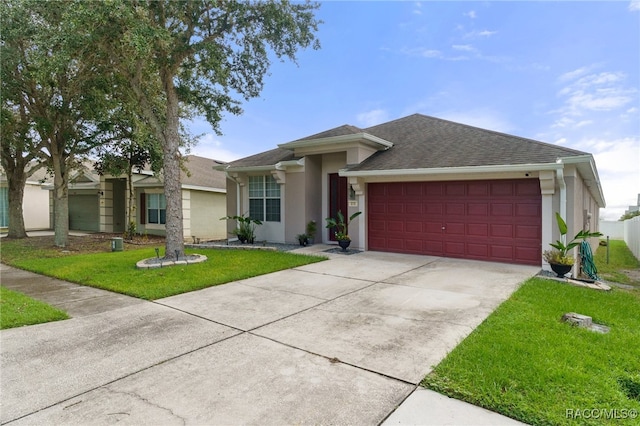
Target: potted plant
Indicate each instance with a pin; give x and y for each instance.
(311, 231)
(342, 228)
(246, 230)
(303, 239)
(559, 258)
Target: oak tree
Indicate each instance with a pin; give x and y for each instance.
(206, 56)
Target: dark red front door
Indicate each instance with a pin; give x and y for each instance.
(337, 199)
(496, 220)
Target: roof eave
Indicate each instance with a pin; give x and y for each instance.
(204, 188)
(280, 165)
(453, 170)
(587, 167)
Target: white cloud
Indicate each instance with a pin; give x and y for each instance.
(373, 117)
(421, 51)
(209, 147)
(589, 119)
(464, 47)
(483, 33)
(618, 163)
(634, 5)
(564, 122)
(596, 92)
(617, 155)
(572, 75)
(471, 14)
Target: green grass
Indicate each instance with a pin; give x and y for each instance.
(525, 363)
(620, 258)
(116, 271)
(17, 310)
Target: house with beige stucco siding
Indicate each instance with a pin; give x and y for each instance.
(424, 186)
(99, 203)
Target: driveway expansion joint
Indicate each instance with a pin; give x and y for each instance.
(333, 359)
(145, 401)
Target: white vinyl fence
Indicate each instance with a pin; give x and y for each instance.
(628, 230)
(632, 235)
(613, 229)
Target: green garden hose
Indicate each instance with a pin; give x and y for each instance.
(588, 267)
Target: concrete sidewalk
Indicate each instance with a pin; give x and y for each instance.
(77, 300)
(344, 341)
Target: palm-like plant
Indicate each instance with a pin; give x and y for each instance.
(561, 253)
(341, 225)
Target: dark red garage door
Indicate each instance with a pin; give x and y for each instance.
(496, 220)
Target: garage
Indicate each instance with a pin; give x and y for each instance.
(492, 220)
(84, 213)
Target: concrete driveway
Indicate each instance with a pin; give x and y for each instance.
(344, 341)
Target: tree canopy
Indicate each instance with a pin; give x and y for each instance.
(58, 85)
(629, 215)
(72, 66)
(204, 57)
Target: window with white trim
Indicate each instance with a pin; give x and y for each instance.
(264, 198)
(156, 208)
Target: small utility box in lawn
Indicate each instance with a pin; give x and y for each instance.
(117, 244)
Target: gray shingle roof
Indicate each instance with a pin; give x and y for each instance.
(420, 141)
(267, 158)
(338, 131)
(202, 173)
(427, 142)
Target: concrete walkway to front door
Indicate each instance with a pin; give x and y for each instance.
(344, 341)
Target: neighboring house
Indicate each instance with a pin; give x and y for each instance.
(635, 208)
(425, 186)
(35, 203)
(99, 203)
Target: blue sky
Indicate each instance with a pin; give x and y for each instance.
(566, 73)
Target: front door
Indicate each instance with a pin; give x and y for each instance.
(338, 193)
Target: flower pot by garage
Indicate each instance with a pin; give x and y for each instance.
(344, 244)
(560, 270)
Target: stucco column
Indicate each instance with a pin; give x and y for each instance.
(358, 187)
(186, 213)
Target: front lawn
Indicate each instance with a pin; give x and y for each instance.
(17, 310)
(525, 363)
(116, 271)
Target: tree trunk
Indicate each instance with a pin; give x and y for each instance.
(16, 181)
(60, 200)
(172, 185)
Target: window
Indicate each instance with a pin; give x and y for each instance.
(264, 198)
(156, 208)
